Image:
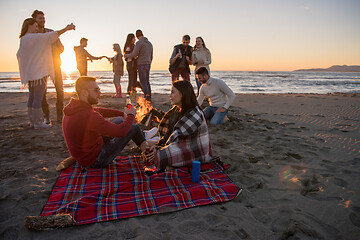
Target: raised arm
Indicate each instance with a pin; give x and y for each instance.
(135, 52)
(65, 29)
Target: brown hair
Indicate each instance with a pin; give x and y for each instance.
(81, 82)
(25, 26)
(202, 71)
(188, 100)
(139, 33)
(186, 37)
(36, 12)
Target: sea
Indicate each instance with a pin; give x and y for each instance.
(238, 81)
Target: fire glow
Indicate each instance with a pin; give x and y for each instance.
(143, 109)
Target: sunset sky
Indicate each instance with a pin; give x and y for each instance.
(258, 35)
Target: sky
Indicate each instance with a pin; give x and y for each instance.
(242, 35)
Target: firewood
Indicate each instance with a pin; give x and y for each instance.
(52, 221)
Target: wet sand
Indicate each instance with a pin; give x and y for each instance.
(297, 157)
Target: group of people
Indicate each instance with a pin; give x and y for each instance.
(138, 59)
(94, 141)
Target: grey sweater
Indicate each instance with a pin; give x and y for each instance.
(143, 50)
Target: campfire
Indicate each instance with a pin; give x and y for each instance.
(146, 114)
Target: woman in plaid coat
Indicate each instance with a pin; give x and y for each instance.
(184, 135)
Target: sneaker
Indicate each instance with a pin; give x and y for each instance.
(47, 120)
(149, 134)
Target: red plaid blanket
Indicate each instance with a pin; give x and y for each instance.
(123, 190)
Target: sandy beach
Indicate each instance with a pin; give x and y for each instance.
(296, 156)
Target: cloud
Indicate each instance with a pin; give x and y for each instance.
(306, 7)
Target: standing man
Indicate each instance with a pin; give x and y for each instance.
(219, 94)
(180, 60)
(144, 51)
(82, 56)
(57, 49)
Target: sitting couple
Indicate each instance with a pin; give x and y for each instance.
(94, 142)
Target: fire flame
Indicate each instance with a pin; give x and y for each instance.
(144, 107)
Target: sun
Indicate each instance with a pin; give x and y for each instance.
(68, 61)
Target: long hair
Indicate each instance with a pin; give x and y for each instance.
(25, 26)
(188, 100)
(204, 46)
(128, 42)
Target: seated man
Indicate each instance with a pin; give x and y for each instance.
(219, 94)
(92, 140)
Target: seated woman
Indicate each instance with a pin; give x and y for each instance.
(184, 135)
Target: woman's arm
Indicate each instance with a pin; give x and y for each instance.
(65, 29)
(208, 57)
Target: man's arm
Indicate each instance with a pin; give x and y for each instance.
(91, 57)
(201, 96)
(173, 57)
(228, 92)
(135, 52)
(108, 112)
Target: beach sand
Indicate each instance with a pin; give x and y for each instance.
(297, 157)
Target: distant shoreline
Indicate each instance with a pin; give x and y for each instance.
(334, 68)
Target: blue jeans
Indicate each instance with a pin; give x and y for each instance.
(144, 76)
(215, 117)
(198, 84)
(36, 94)
(113, 146)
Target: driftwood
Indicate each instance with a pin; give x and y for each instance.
(65, 163)
(53, 221)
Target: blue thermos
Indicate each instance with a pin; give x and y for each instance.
(195, 173)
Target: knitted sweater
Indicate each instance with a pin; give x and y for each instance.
(204, 54)
(219, 94)
(35, 56)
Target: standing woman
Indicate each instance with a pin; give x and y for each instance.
(36, 65)
(131, 63)
(118, 69)
(201, 57)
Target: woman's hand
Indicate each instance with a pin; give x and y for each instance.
(149, 155)
(70, 26)
(222, 109)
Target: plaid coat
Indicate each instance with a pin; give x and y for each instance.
(183, 141)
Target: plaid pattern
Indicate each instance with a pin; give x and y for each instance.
(189, 140)
(122, 190)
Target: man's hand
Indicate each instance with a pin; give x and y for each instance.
(131, 111)
(222, 109)
(178, 55)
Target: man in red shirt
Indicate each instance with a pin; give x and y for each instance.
(92, 140)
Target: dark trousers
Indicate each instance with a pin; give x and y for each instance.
(180, 71)
(113, 146)
(132, 73)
